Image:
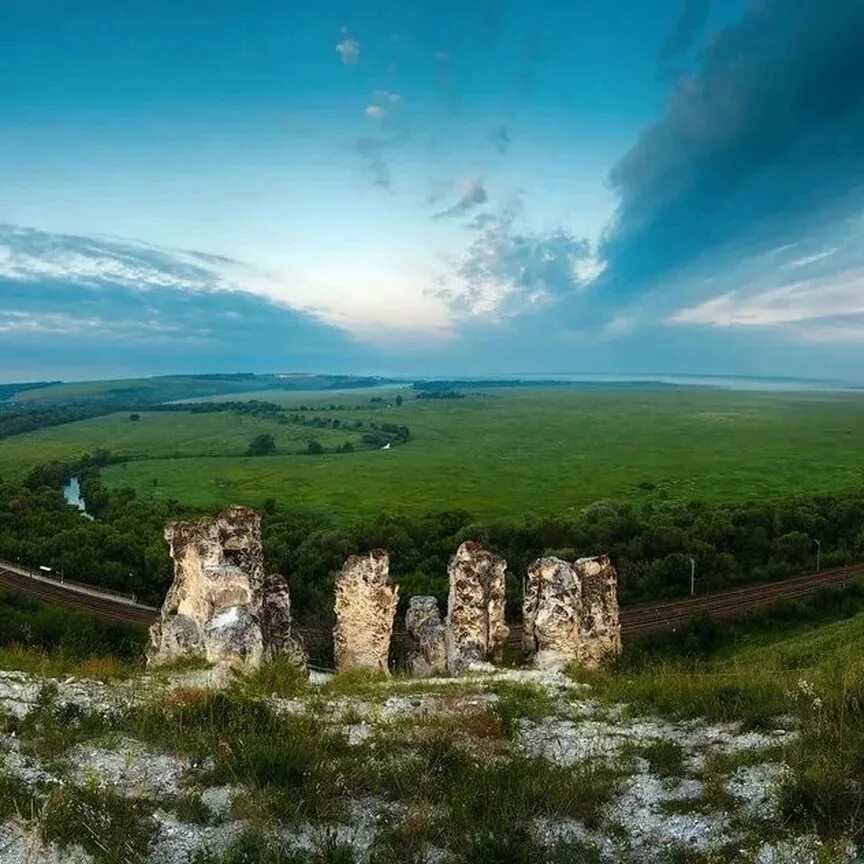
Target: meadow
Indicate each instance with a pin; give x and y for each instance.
(498, 454)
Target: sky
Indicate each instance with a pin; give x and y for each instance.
(432, 188)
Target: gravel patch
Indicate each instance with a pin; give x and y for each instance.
(567, 742)
(639, 811)
(219, 799)
(19, 764)
(179, 842)
(21, 845)
(128, 768)
(756, 787)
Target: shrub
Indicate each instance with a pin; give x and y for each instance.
(262, 445)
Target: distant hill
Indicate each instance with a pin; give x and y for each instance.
(140, 392)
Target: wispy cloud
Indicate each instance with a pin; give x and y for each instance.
(807, 260)
(830, 297)
(500, 139)
(25, 322)
(372, 151)
(383, 103)
(473, 195)
(348, 49)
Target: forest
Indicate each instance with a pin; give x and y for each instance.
(651, 544)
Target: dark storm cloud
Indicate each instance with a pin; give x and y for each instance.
(760, 144)
(690, 22)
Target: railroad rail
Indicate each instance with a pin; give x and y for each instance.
(638, 619)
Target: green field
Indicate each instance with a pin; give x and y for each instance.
(499, 454)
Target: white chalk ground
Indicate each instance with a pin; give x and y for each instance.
(20, 844)
(648, 814)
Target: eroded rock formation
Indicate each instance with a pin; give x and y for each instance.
(427, 637)
(552, 613)
(217, 603)
(570, 612)
(277, 628)
(475, 607)
(365, 607)
(599, 622)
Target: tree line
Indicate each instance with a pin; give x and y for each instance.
(650, 544)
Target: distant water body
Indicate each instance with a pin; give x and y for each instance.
(72, 494)
(721, 382)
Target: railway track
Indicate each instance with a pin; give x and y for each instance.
(104, 607)
(728, 604)
(640, 619)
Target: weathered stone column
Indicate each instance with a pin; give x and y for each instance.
(599, 623)
(365, 607)
(220, 607)
(475, 607)
(213, 607)
(277, 625)
(551, 613)
(427, 637)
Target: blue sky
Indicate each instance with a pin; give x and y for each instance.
(498, 186)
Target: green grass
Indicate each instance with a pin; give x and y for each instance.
(815, 676)
(163, 436)
(498, 454)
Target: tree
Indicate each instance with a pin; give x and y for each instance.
(262, 445)
(399, 400)
(314, 448)
(134, 417)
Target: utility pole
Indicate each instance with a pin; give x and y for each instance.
(818, 555)
(692, 575)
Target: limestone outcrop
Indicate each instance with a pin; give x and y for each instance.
(570, 612)
(475, 607)
(277, 627)
(599, 620)
(552, 613)
(365, 607)
(427, 637)
(217, 607)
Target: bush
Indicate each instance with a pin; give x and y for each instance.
(262, 445)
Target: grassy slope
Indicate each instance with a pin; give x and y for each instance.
(502, 454)
(156, 435)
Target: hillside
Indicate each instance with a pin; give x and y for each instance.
(748, 751)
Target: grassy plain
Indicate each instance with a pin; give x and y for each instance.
(499, 454)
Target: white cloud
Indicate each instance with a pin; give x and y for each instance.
(506, 272)
(809, 259)
(809, 300)
(20, 322)
(373, 296)
(348, 50)
(383, 102)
